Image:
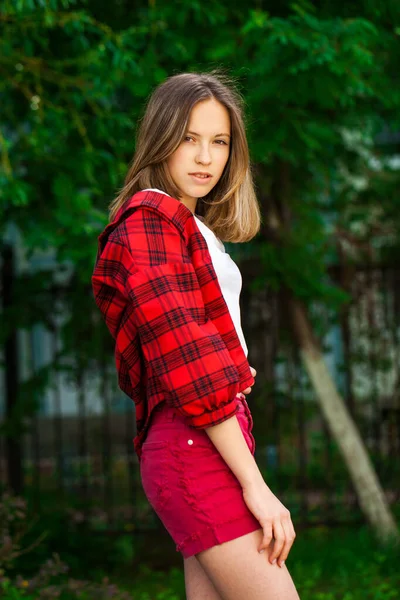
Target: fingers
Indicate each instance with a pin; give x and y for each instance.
(282, 532)
(248, 390)
(279, 536)
(267, 536)
(289, 534)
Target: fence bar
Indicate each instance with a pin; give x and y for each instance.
(13, 444)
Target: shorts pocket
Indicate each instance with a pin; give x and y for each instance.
(245, 419)
(154, 471)
(154, 445)
(203, 470)
(195, 443)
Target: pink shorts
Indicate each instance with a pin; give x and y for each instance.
(195, 494)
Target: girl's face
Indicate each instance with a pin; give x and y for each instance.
(204, 149)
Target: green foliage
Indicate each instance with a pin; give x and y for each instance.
(324, 563)
(53, 578)
(63, 532)
(50, 580)
(328, 63)
(343, 564)
(76, 77)
(322, 98)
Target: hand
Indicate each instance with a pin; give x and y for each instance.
(248, 390)
(274, 518)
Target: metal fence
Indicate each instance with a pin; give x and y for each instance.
(77, 449)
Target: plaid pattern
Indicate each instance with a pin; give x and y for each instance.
(156, 286)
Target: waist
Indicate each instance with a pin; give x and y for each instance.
(164, 413)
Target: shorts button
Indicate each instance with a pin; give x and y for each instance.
(190, 442)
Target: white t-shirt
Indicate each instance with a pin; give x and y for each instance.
(227, 271)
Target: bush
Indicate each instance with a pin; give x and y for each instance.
(50, 581)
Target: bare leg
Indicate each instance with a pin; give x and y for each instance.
(197, 583)
(239, 571)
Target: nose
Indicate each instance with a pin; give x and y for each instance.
(204, 156)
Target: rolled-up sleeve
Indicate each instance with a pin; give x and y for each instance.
(182, 347)
(186, 359)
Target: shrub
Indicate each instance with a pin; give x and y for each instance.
(50, 581)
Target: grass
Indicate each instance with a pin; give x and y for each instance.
(326, 564)
(343, 563)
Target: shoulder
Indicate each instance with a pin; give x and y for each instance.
(151, 238)
(145, 222)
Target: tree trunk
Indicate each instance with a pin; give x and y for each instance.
(370, 493)
(277, 226)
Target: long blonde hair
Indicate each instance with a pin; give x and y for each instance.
(231, 208)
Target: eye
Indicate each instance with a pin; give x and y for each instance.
(187, 137)
(223, 143)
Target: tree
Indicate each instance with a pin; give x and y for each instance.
(74, 79)
(322, 80)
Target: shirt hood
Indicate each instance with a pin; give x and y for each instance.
(170, 208)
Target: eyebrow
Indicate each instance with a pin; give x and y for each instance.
(216, 135)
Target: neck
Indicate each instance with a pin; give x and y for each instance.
(190, 203)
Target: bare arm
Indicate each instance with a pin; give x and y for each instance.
(228, 438)
(273, 516)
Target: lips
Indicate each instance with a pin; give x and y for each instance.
(200, 178)
(201, 175)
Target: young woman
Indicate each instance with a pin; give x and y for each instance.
(169, 294)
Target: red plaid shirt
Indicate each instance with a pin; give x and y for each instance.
(157, 289)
